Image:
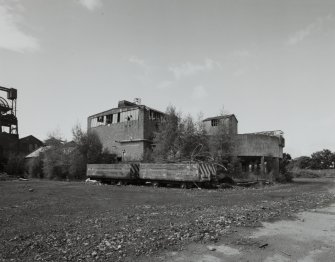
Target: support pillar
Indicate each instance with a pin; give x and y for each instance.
(276, 167)
(262, 166)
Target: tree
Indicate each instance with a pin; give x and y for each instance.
(54, 139)
(221, 144)
(77, 165)
(201, 150)
(303, 162)
(283, 166)
(322, 159)
(55, 163)
(167, 139)
(87, 150)
(88, 144)
(188, 138)
(35, 167)
(15, 165)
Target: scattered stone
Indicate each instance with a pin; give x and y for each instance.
(143, 230)
(211, 248)
(264, 245)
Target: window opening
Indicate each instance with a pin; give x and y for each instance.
(100, 119)
(109, 119)
(214, 122)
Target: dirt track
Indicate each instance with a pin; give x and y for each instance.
(48, 220)
(308, 238)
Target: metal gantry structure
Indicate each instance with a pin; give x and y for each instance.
(8, 119)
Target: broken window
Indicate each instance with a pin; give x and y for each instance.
(119, 117)
(97, 121)
(214, 122)
(100, 119)
(128, 115)
(154, 115)
(109, 119)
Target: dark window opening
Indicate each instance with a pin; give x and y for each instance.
(100, 119)
(109, 119)
(215, 122)
(153, 115)
(118, 117)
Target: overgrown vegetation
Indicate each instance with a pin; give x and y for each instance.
(15, 165)
(320, 160)
(284, 167)
(68, 160)
(184, 139)
(177, 139)
(180, 139)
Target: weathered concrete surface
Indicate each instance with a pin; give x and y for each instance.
(129, 139)
(188, 172)
(309, 238)
(229, 125)
(113, 171)
(258, 145)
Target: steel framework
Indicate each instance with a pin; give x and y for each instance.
(8, 117)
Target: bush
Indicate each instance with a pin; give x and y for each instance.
(88, 144)
(77, 165)
(107, 158)
(283, 168)
(55, 163)
(34, 167)
(69, 160)
(15, 165)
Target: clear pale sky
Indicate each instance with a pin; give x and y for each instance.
(271, 63)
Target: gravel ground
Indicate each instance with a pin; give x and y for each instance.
(57, 221)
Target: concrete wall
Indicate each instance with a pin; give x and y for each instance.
(129, 140)
(228, 125)
(258, 145)
(111, 135)
(189, 172)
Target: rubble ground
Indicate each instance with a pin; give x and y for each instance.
(55, 221)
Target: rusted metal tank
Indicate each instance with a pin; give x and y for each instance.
(177, 172)
(113, 171)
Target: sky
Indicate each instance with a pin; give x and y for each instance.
(269, 62)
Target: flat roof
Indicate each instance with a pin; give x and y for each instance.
(220, 117)
(126, 108)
